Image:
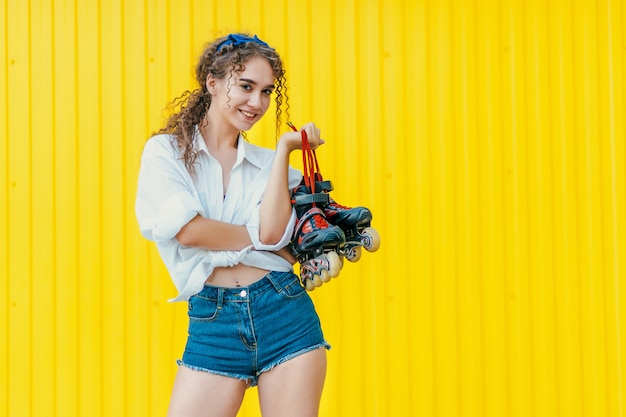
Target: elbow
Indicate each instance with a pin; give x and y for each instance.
(270, 237)
(273, 229)
(186, 236)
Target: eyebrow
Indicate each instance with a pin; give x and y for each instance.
(249, 81)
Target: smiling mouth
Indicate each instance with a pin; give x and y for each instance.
(248, 114)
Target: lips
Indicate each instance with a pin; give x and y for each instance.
(248, 114)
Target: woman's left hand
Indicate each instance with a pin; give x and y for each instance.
(293, 140)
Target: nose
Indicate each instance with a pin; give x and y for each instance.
(254, 100)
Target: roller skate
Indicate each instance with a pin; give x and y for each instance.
(315, 242)
(355, 223)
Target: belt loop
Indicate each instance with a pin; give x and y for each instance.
(274, 282)
(220, 297)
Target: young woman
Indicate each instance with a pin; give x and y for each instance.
(219, 210)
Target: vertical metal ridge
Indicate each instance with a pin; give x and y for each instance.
(29, 181)
(150, 377)
(611, 123)
(6, 179)
(100, 195)
(615, 195)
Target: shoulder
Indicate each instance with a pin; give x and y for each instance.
(257, 154)
(161, 145)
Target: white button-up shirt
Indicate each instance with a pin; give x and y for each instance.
(168, 197)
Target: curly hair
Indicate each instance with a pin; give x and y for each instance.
(220, 61)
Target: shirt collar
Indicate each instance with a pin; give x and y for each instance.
(247, 151)
(244, 149)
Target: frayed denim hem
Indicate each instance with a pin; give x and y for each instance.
(251, 381)
(293, 355)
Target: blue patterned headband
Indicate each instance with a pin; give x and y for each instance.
(235, 40)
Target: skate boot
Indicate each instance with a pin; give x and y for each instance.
(355, 223)
(315, 243)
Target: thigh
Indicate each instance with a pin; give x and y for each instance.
(294, 387)
(202, 394)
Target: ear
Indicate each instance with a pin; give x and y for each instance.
(211, 84)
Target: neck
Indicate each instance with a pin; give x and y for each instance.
(217, 135)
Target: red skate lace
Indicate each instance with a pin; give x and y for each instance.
(320, 221)
(309, 162)
(315, 222)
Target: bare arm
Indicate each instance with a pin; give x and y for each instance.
(213, 235)
(286, 254)
(276, 204)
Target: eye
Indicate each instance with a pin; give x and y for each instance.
(246, 87)
(268, 92)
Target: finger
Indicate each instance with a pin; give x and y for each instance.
(313, 133)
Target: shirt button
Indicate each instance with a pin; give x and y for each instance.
(243, 293)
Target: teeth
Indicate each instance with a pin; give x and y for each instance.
(245, 113)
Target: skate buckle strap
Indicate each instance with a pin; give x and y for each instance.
(326, 186)
(303, 199)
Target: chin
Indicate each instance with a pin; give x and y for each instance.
(246, 126)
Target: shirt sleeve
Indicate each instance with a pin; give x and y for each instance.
(165, 200)
(294, 177)
(253, 231)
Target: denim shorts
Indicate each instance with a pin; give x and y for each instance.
(245, 331)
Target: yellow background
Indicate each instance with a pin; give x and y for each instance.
(487, 137)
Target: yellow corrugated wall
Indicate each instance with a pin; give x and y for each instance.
(487, 137)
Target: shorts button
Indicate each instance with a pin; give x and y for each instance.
(243, 293)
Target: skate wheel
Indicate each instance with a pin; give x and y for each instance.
(317, 280)
(309, 285)
(353, 254)
(371, 239)
(334, 263)
(325, 276)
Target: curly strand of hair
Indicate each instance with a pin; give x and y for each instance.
(188, 111)
(281, 93)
